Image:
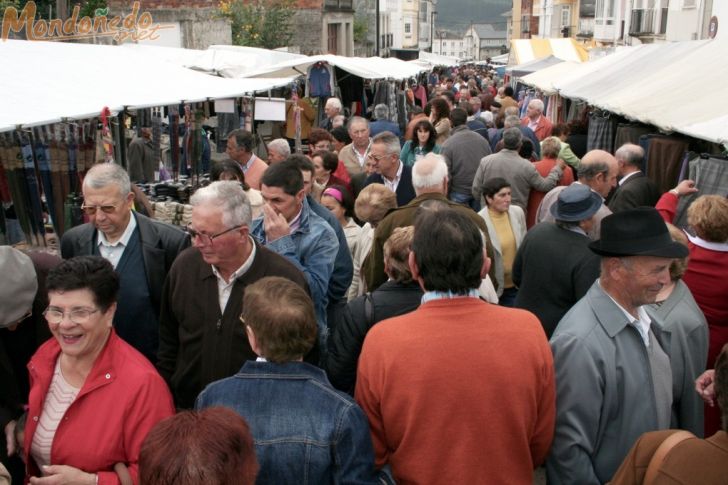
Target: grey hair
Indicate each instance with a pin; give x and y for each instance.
(631, 154)
(356, 119)
(512, 138)
(536, 104)
(105, 174)
(334, 103)
(281, 146)
(589, 170)
(229, 196)
(511, 120)
(381, 112)
(511, 111)
(390, 140)
(567, 224)
(435, 177)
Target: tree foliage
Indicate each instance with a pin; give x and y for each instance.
(260, 23)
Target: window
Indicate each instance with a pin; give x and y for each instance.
(566, 15)
(407, 28)
(688, 3)
(444, 43)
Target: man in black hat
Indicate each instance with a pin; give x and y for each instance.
(554, 267)
(613, 376)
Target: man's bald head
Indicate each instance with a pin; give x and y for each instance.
(598, 169)
(429, 174)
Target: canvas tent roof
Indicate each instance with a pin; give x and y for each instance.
(367, 68)
(524, 50)
(659, 84)
(52, 81)
(429, 60)
(544, 78)
(223, 60)
(532, 66)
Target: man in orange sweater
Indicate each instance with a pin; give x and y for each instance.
(458, 391)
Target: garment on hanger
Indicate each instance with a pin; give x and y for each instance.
(602, 126)
(319, 80)
(710, 174)
(630, 133)
(664, 160)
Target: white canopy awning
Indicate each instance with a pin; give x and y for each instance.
(367, 68)
(672, 86)
(46, 82)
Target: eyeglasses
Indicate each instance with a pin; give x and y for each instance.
(90, 210)
(322, 146)
(208, 239)
(78, 316)
(376, 158)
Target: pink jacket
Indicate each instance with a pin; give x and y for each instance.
(122, 399)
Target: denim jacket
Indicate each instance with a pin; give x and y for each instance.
(305, 432)
(312, 248)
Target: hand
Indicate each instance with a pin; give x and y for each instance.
(685, 187)
(275, 224)
(704, 385)
(64, 475)
(10, 437)
(562, 164)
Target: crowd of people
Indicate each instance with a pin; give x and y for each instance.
(464, 299)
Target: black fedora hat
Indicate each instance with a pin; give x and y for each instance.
(576, 202)
(637, 232)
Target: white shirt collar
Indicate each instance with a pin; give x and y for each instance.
(624, 179)
(713, 246)
(125, 236)
(642, 324)
(241, 270)
(398, 175)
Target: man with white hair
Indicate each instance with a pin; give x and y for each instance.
(332, 108)
(382, 122)
(634, 188)
(200, 336)
(141, 250)
(535, 120)
(430, 181)
(278, 150)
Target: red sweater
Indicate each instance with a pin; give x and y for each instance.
(536, 196)
(459, 391)
(122, 398)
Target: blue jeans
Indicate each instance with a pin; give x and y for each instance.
(465, 199)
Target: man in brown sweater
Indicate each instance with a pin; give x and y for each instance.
(201, 338)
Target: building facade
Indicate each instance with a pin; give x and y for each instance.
(192, 24)
(482, 41)
(556, 18)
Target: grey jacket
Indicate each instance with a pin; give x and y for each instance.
(688, 354)
(463, 151)
(519, 172)
(604, 393)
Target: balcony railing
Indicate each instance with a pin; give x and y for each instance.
(586, 27)
(645, 21)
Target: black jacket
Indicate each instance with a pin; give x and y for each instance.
(161, 243)
(199, 344)
(389, 300)
(637, 191)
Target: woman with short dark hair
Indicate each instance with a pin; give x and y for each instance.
(93, 397)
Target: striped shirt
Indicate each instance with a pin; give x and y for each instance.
(58, 399)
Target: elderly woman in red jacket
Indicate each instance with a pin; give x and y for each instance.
(93, 398)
